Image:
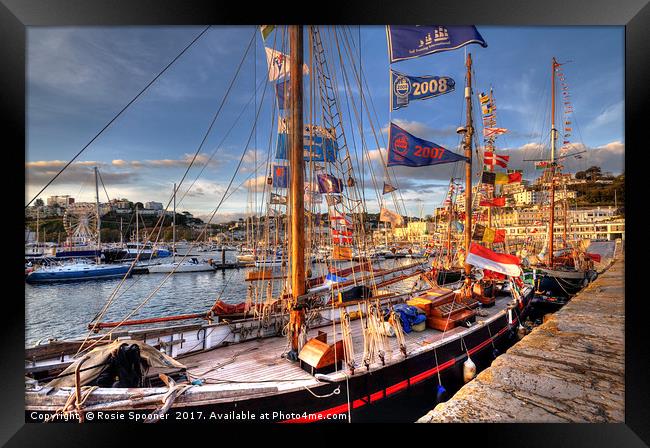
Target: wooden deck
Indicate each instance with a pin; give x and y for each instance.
(261, 359)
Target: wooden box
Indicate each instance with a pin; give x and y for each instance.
(457, 319)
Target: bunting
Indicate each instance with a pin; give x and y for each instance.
(388, 188)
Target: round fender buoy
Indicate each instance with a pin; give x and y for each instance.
(441, 394)
(469, 370)
(521, 331)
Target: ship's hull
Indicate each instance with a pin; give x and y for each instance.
(563, 283)
(92, 273)
(365, 392)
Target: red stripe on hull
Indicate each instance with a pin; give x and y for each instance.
(398, 386)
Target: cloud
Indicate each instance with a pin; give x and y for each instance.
(422, 130)
(611, 114)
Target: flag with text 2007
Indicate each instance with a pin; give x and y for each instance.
(408, 150)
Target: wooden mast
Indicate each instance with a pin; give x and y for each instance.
(99, 221)
(296, 190)
(469, 131)
(551, 227)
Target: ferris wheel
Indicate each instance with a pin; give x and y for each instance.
(80, 221)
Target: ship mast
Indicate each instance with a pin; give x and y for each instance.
(99, 227)
(551, 226)
(296, 190)
(469, 131)
(174, 228)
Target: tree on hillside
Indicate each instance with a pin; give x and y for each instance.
(39, 202)
(593, 173)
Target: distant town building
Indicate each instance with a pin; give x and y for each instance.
(61, 201)
(153, 205)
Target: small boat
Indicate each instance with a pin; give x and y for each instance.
(76, 271)
(191, 265)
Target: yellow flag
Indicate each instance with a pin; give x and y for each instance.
(342, 253)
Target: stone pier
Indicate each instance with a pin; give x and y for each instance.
(569, 369)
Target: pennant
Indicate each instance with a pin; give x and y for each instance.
(494, 202)
(341, 253)
(278, 199)
(483, 257)
(499, 236)
(492, 159)
(329, 184)
(388, 188)
(407, 150)
(280, 176)
(408, 41)
(395, 219)
(266, 30)
(333, 199)
(279, 65)
(406, 88)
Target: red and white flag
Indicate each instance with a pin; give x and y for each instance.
(492, 158)
(482, 257)
(489, 132)
(343, 218)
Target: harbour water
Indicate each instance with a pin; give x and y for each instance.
(63, 310)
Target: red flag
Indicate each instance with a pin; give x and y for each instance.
(495, 202)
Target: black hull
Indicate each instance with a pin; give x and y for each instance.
(368, 393)
(450, 276)
(561, 286)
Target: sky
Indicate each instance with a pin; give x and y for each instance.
(79, 78)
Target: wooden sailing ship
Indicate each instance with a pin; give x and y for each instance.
(562, 275)
(313, 352)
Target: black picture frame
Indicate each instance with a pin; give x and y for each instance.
(16, 15)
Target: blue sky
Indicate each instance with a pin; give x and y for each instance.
(78, 78)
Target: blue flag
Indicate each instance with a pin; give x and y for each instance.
(329, 184)
(280, 176)
(280, 88)
(408, 41)
(317, 148)
(406, 88)
(407, 150)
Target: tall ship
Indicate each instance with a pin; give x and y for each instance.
(309, 343)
